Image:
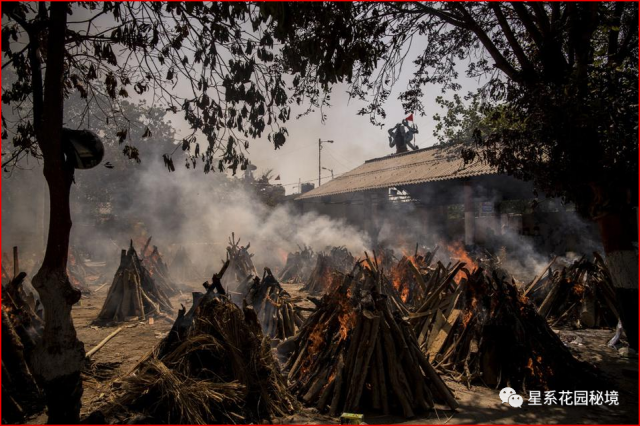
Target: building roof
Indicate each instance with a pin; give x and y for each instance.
(425, 165)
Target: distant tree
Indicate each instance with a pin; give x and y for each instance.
(213, 62)
(558, 106)
(268, 193)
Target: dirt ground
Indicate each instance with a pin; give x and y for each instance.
(478, 405)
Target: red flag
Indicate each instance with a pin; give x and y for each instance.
(410, 117)
(277, 177)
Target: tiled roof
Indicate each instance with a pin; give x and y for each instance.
(424, 165)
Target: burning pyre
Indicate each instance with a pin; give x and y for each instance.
(353, 353)
(483, 329)
(299, 266)
(580, 294)
(337, 260)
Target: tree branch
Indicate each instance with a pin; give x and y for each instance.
(528, 23)
(500, 60)
(513, 42)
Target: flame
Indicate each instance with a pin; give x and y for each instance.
(402, 277)
(458, 252)
(347, 322)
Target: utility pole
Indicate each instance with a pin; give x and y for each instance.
(331, 170)
(320, 142)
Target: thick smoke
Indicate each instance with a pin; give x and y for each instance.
(199, 212)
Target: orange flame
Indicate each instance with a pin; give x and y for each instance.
(458, 252)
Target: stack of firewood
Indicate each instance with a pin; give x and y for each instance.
(154, 263)
(354, 354)
(410, 275)
(275, 307)
(133, 293)
(337, 260)
(239, 276)
(484, 330)
(298, 266)
(580, 294)
(215, 366)
(21, 330)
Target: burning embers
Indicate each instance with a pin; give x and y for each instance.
(353, 353)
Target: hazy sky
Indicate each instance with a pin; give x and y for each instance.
(355, 138)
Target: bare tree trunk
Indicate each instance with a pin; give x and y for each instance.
(618, 230)
(58, 358)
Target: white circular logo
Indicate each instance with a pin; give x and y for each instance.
(505, 393)
(515, 401)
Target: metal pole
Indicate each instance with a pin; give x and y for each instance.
(320, 160)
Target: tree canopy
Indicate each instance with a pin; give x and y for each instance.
(558, 99)
(213, 62)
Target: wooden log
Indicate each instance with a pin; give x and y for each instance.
(360, 373)
(316, 387)
(539, 277)
(435, 379)
(337, 390)
(356, 372)
(440, 338)
(375, 384)
(324, 396)
(392, 369)
(102, 343)
(379, 363)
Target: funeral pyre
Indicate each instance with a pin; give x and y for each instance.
(21, 330)
(133, 293)
(276, 309)
(215, 366)
(182, 267)
(241, 271)
(299, 266)
(153, 262)
(478, 327)
(338, 259)
(355, 352)
(580, 294)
